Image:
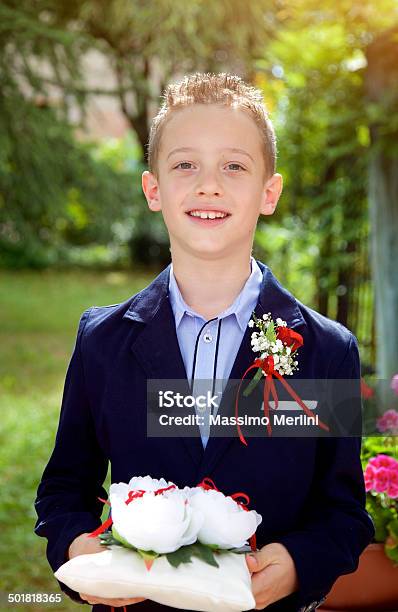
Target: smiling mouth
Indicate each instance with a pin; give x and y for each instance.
(208, 214)
(208, 218)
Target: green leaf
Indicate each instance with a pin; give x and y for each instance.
(393, 529)
(205, 553)
(107, 539)
(270, 333)
(392, 553)
(182, 555)
(381, 517)
(185, 554)
(253, 383)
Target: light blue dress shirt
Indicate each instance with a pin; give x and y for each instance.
(216, 342)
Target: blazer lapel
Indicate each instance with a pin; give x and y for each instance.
(156, 347)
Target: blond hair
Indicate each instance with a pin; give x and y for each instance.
(208, 88)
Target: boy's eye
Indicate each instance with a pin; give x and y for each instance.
(182, 163)
(235, 164)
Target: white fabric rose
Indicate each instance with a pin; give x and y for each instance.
(160, 523)
(226, 524)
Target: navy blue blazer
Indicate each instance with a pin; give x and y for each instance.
(310, 491)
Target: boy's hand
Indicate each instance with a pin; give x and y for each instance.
(83, 545)
(273, 574)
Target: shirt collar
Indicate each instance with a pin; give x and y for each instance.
(247, 298)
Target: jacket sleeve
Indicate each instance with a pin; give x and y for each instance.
(337, 527)
(66, 501)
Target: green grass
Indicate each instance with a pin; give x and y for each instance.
(39, 313)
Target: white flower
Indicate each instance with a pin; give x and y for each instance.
(139, 483)
(226, 524)
(162, 523)
(263, 344)
(251, 323)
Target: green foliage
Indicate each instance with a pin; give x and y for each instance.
(270, 333)
(184, 554)
(38, 330)
(382, 508)
(53, 191)
(313, 75)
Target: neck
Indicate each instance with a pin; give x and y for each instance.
(210, 286)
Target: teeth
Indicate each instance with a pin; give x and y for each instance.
(207, 215)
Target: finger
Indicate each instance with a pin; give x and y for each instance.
(252, 563)
(263, 585)
(262, 558)
(258, 560)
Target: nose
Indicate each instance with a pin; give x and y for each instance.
(208, 184)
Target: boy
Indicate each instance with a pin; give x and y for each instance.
(212, 156)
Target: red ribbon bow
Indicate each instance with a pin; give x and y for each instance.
(287, 336)
(133, 494)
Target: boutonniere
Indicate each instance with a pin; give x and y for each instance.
(277, 345)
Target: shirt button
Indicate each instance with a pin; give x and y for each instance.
(207, 337)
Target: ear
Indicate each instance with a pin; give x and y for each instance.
(150, 187)
(272, 191)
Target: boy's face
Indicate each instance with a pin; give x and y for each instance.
(209, 177)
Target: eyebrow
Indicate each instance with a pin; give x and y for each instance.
(232, 149)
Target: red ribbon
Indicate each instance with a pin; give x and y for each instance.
(207, 483)
(267, 365)
(133, 494)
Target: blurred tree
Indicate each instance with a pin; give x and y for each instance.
(313, 76)
(318, 108)
(149, 43)
(382, 93)
(53, 192)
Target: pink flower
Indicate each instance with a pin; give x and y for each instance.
(381, 475)
(369, 477)
(392, 490)
(388, 421)
(383, 461)
(394, 384)
(381, 480)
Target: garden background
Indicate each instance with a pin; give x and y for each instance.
(79, 84)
